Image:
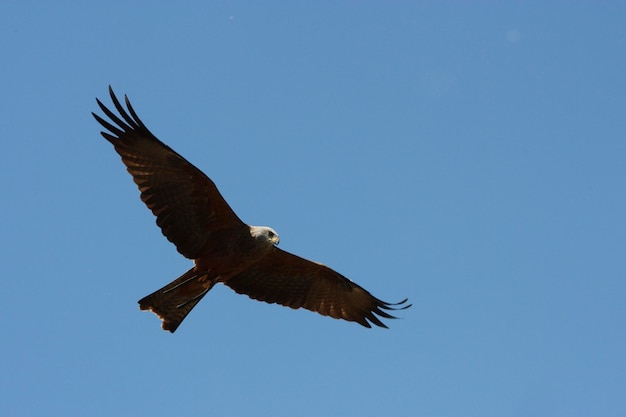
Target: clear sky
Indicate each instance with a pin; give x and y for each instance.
(469, 157)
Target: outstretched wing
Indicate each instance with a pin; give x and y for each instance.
(186, 203)
(287, 279)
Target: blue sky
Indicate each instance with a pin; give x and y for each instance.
(470, 157)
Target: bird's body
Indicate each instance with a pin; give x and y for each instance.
(217, 263)
(194, 216)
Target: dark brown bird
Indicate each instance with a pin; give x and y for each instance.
(193, 215)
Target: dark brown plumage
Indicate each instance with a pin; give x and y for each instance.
(194, 216)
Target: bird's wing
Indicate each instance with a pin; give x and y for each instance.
(186, 203)
(287, 279)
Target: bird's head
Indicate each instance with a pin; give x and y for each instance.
(265, 233)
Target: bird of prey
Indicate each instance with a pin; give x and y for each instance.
(193, 215)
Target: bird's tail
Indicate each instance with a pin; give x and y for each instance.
(173, 302)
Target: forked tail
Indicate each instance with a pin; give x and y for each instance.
(173, 302)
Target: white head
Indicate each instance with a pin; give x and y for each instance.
(265, 233)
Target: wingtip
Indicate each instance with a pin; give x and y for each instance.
(381, 309)
(397, 306)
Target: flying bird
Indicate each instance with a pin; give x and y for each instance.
(193, 215)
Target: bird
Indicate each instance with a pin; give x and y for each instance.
(193, 215)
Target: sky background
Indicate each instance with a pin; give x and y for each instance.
(468, 156)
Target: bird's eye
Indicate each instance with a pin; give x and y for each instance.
(271, 234)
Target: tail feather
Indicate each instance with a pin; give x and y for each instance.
(173, 302)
